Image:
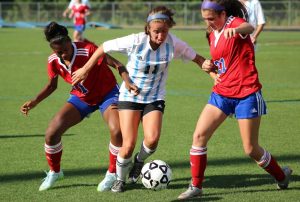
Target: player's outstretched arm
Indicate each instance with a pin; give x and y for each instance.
(243, 29)
(44, 93)
(204, 64)
(111, 61)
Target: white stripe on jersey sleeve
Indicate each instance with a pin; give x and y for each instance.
(52, 57)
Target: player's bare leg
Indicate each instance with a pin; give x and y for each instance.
(129, 122)
(249, 129)
(67, 117)
(111, 117)
(152, 123)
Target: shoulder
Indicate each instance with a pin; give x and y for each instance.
(138, 38)
(234, 21)
(52, 58)
(176, 41)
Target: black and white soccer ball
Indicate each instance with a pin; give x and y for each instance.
(156, 175)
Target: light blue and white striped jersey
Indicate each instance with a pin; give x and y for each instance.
(148, 69)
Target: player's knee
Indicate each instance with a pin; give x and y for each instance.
(152, 141)
(127, 151)
(199, 139)
(115, 131)
(54, 131)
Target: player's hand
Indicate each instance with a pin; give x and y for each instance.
(208, 66)
(132, 88)
(27, 106)
(217, 79)
(79, 75)
(253, 39)
(229, 33)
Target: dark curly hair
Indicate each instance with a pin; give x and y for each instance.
(56, 33)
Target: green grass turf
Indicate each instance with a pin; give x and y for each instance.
(230, 175)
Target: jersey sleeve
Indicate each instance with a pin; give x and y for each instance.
(236, 22)
(52, 73)
(182, 50)
(260, 14)
(92, 49)
(71, 4)
(87, 3)
(122, 45)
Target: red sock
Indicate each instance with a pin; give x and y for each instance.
(270, 165)
(113, 153)
(53, 155)
(198, 161)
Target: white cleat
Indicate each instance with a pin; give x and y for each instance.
(50, 179)
(107, 182)
(190, 193)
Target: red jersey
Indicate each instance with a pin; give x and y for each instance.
(99, 81)
(79, 14)
(235, 60)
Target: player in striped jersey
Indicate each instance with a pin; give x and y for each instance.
(142, 95)
(237, 92)
(99, 91)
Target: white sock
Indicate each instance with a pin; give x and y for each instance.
(144, 153)
(123, 166)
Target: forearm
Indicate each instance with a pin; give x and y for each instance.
(43, 94)
(244, 28)
(93, 60)
(124, 74)
(111, 61)
(258, 30)
(199, 60)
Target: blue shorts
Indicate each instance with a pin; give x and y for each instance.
(79, 28)
(244, 108)
(85, 109)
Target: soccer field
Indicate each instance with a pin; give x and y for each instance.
(230, 175)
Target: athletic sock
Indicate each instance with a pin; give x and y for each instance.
(113, 153)
(144, 153)
(198, 161)
(123, 166)
(53, 155)
(269, 164)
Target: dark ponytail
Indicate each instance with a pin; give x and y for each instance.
(56, 33)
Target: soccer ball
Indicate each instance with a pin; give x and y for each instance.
(156, 175)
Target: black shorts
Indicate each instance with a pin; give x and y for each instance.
(143, 107)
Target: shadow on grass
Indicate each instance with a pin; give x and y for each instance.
(3, 136)
(40, 175)
(74, 185)
(279, 101)
(232, 181)
(220, 181)
(201, 198)
(235, 161)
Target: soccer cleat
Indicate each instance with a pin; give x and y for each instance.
(118, 186)
(50, 179)
(135, 171)
(107, 182)
(191, 192)
(285, 183)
